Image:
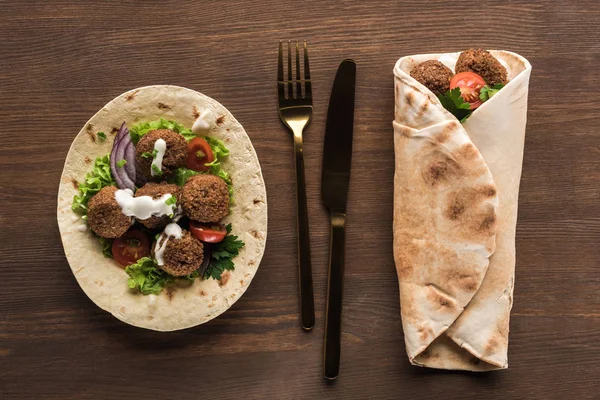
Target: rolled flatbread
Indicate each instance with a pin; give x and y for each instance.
(456, 189)
(102, 279)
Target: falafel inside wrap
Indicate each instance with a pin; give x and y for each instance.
(181, 305)
(456, 190)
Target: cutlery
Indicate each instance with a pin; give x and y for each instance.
(337, 160)
(295, 110)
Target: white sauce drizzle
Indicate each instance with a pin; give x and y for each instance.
(171, 231)
(201, 125)
(143, 207)
(160, 146)
(82, 228)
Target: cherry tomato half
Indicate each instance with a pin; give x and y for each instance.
(130, 247)
(209, 233)
(199, 153)
(469, 84)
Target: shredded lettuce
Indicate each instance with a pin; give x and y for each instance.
(146, 277)
(95, 180)
(137, 131)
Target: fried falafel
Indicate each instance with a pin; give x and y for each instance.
(434, 75)
(205, 198)
(105, 217)
(182, 256)
(484, 64)
(157, 190)
(174, 157)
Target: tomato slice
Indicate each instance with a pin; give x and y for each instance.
(130, 247)
(469, 84)
(199, 153)
(209, 233)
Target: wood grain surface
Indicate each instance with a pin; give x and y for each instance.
(61, 61)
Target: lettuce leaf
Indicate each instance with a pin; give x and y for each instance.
(146, 277)
(95, 180)
(137, 131)
(181, 175)
(487, 92)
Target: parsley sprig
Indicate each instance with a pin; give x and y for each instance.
(222, 255)
(454, 103)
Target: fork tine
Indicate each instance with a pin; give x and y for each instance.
(298, 78)
(290, 85)
(307, 83)
(280, 84)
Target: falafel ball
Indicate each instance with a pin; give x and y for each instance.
(484, 64)
(434, 75)
(205, 198)
(105, 216)
(174, 157)
(182, 256)
(157, 190)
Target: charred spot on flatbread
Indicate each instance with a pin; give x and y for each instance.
(114, 130)
(441, 169)
(163, 106)
(488, 223)
(422, 110)
(195, 112)
(468, 151)
(410, 99)
(224, 278)
(435, 296)
(75, 183)
(446, 133)
(492, 344)
(131, 95)
(455, 210)
(220, 120)
(87, 160)
(425, 332)
(90, 132)
(170, 293)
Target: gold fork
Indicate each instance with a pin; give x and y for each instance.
(295, 110)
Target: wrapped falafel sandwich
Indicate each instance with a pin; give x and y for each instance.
(459, 130)
(162, 208)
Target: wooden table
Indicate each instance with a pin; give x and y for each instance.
(61, 61)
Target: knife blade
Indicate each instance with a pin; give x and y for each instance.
(337, 161)
(337, 149)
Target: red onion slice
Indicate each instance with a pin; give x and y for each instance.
(117, 154)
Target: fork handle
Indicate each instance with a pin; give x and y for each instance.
(307, 304)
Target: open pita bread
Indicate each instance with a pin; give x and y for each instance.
(456, 189)
(105, 282)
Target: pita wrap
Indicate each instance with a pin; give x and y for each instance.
(456, 189)
(105, 282)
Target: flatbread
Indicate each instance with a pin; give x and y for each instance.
(455, 211)
(103, 281)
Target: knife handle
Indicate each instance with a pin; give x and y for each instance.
(333, 318)
(307, 303)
